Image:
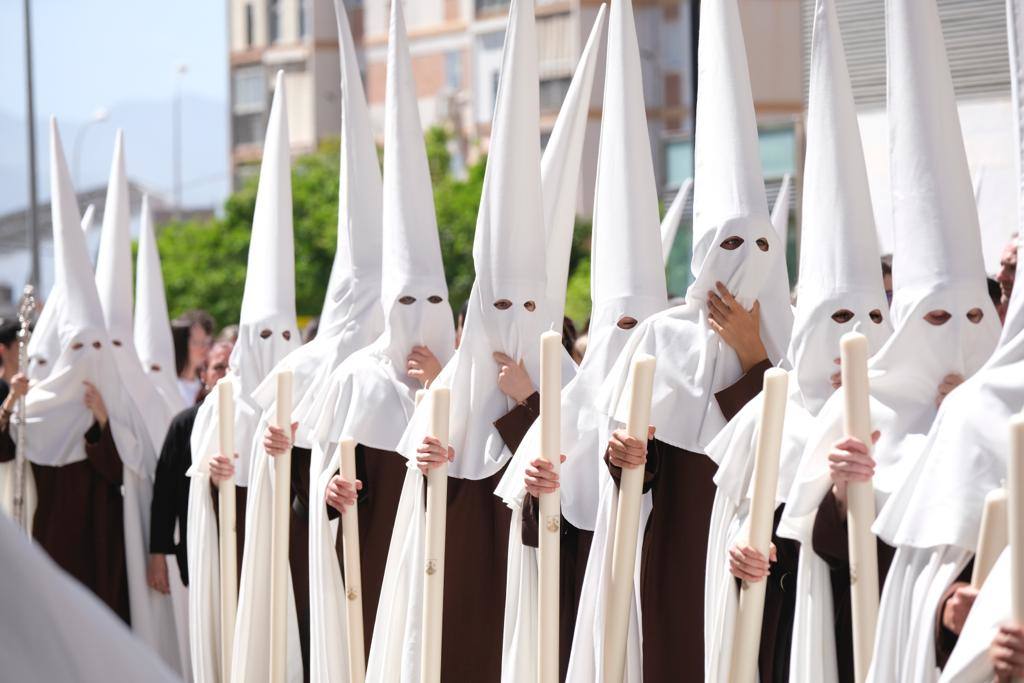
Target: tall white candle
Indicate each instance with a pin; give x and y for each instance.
(550, 508)
(1015, 507)
(993, 536)
(627, 523)
(747, 631)
(853, 351)
(353, 570)
(437, 509)
(226, 526)
(279, 535)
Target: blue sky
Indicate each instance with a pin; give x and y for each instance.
(118, 54)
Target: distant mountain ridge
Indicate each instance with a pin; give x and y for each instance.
(206, 180)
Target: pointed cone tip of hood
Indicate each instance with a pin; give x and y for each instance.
(509, 242)
(269, 292)
(626, 256)
(939, 240)
(727, 159)
(412, 249)
(837, 206)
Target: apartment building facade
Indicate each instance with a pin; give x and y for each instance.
(300, 37)
(456, 50)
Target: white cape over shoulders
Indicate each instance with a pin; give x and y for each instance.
(328, 657)
(905, 640)
(250, 660)
(733, 451)
(969, 662)
(395, 650)
(587, 658)
(204, 580)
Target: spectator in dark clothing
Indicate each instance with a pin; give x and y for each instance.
(169, 510)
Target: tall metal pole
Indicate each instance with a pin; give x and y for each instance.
(30, 115)
(180, 72)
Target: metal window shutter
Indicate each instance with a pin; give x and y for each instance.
(974, 31)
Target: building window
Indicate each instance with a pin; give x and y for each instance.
(274, 20)
(302, 18)
(453, 70)
(552, 92)
(247, 129)
(495, 80)
(248, 90)
(490, 5)
(249, 25)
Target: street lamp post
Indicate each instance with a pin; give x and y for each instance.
(180, 71)
(98, 116)
(30, 116)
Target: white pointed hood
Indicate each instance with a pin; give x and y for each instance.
(505, 310)
(267, 329)
(153, 341)
(370, 395)
(674, 217)
(729, 201)
(351, 317)
(965, 457)
(560, 169)
(44, 345)
(57, 416)
(840, 266)
(937, 265)
(352, 303)
(114, 263)
(780, 211)
(626, 274)
(114, 286)
(937, 261)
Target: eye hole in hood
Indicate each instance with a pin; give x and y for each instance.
(937, 317)
(843, 315)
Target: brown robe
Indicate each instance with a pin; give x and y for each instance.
(675, 544)
(779, 609)
(79, 518)
(831, 542)
(382, 474)
(476, 560)
(572, 556)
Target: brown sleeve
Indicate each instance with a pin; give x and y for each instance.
(945, 640)
(732, 399)
(829, 538)
(7, 447)
(300, 477)
(101, 451)
(650, 469)
(531, 517)
(513, 425)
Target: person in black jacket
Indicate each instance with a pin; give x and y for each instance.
(8, 354)
(169, 510)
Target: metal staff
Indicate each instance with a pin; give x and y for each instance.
(25, 314)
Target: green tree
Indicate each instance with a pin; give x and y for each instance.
(204, 262)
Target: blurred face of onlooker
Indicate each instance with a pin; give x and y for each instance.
(1007, 274)
(216, 364)
(8, 349)
(199, 343)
